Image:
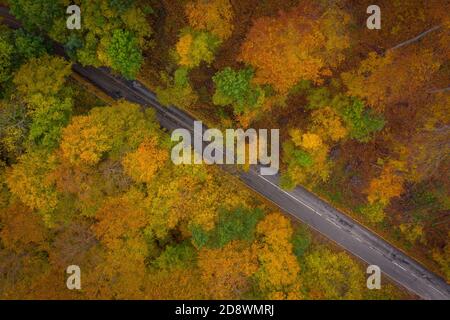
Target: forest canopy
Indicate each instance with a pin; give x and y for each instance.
(84, 180)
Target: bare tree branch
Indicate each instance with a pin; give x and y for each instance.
(440, 90)
(415, 38)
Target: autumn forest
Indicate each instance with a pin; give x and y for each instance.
(88, 180)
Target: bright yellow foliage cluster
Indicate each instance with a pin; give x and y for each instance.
(29, 181)
(278, 274)
(84, 141)
(143, 164)
(190, 195)
(194, 47)
(36, 78)
(331, 275)
(311, 141)
(225, 271)
(328, 124)
(387, 186)
(315, 147)
(183, 48)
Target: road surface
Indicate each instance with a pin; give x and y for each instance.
(299, 203)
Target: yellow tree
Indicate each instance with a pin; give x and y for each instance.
(399, 76)
(213, 16)
(327, 124)
(290, 47)
(307, 158)
(189, 196)
(143, 164)
(310, 141)
(183, 284)
(195, 47)
(426, 149)
(84, 141)
(112, 130)
(120, 218)
(121, 271)
(44, 76)
(225, 271)
(85, 184)
(29, 180)
(278, 274)
(331, 275)
(387, 186)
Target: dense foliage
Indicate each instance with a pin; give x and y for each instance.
(364, 119)
(113, 32)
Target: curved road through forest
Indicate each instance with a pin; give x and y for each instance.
(299, 203)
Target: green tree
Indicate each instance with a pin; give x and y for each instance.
(41, 84)
(125, 54)
(199, 236)
(374, 212)
(114, 32)
(16, 48)
(361, 122)
(44, 76)
(49, 118)
(37, 14)
(121, 5)
(297, 156)
(28, 45)
(14, 127)
(6, 56)
(177, 91)
(301, 241)
(319, 98)
(331, 275)
(238, 224)
(306, 155)
(176, 256)
(235, 88)
(195, 47)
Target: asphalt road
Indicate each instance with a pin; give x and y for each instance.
(299, 203)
